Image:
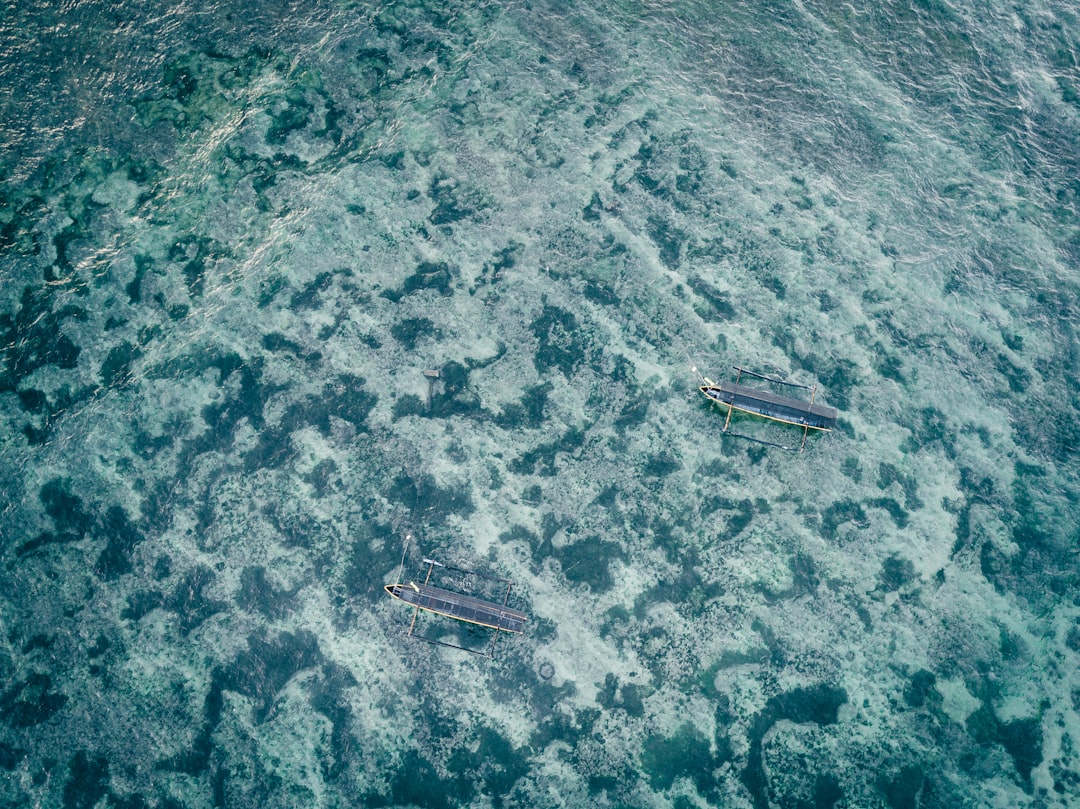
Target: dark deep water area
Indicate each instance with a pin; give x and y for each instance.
(287, 283)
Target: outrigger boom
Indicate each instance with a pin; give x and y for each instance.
(772, 406)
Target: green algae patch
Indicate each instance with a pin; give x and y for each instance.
(200, 89)
(686, 754)
(417, 783)
(30, 701)
(494, 760)
(587, 561)
(409, 331)
(818, 705)
(425, 497)
(561, 346)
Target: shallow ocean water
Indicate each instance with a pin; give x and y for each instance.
(234, 237)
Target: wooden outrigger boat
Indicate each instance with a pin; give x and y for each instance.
(768, 405)
(469, 609)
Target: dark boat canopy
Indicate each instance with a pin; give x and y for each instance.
(462, 607)
(772, 405)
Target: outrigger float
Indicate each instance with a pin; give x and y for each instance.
(476, 611)
(769, 405)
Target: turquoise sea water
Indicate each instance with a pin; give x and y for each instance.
(233, 237)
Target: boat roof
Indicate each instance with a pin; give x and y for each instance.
(457, 605)
(772, 405)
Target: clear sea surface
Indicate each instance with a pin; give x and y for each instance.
(294, 295)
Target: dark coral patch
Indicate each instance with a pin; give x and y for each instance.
(71, 519)
(323, 477)
(10, 756)
(453, 201)
(30, 701)
(542, 459)
(686, 754)
(930, 428)
(670, 241)
(425, 497)
(266, 666)
(411, 330)
(65, 508)
(437, 276)
(628, 697)
(494, 270)
(116, 368)
(416, 783)
(34, 337)
(259, 593)
(88, 781)
(920, 689)
(193, 253)
(528, 413)
(279, 343)
(493, 759)
(895, 510)
(345, 399)
(634, 412)
(827, 791)
(409, 404)
(328, 698)
(738, 513)
(225, 416)
(143, 263)
(561, 345)
(122, 537)
(310, 296)
(718, 308)
(1021, 738)
(191, 605)
(896, 572)
(293, 113)
(903, 789)
(141, 603)
(661, 465)
(258, 673)
(588, 561)
(818, 704)
(839, 513)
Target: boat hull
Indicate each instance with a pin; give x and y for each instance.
(771, 405)
(460, 607)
